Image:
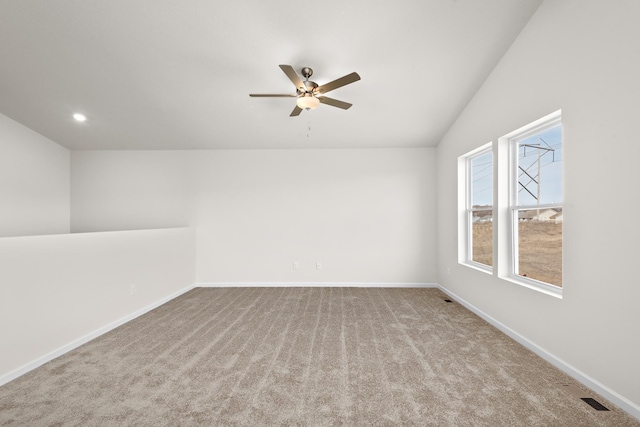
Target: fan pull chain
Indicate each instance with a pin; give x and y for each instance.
(308, 128)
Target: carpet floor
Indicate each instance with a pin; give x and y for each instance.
(302, 356)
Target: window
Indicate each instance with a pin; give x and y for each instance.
(536, 203)
(510, 206)
(480, 209)
(478, 194)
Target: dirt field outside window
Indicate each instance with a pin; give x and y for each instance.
(540, 249)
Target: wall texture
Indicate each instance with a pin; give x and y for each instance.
(34, 182)
(581, 57)
(366, 215)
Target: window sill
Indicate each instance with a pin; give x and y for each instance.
(477, 266)
(547, 289)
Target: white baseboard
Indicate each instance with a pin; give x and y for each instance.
(617, 399)
(12, 375)
(315, 284)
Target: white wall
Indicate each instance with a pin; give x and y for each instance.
(34, 182)
(367, 215)
(581, 57)
(130, 190)
(58, 289)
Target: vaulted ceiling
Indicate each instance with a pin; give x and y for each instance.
(169, 74)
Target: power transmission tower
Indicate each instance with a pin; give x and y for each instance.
(526, 174)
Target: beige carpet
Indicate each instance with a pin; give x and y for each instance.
(302, 356)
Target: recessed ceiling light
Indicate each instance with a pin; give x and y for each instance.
(79, 117)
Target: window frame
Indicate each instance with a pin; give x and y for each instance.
(467, 255)
(539, 126)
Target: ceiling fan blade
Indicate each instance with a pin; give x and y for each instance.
(342, 81)
(334, 102)
(272, 95)
(296, 112)
(293, 76)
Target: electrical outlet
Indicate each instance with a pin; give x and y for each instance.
(133, 289)
(318, 265)
(295, 265)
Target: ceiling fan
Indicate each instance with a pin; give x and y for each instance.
(309, 94)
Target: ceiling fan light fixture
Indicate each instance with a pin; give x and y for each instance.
(307, 102)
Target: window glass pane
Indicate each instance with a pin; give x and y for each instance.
(481, 197)
(540, 168)
(482, 240)
(482, 180)
(540, 245)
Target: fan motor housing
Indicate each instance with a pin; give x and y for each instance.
(311, 86)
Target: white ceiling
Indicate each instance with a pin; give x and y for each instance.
(170, 74)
